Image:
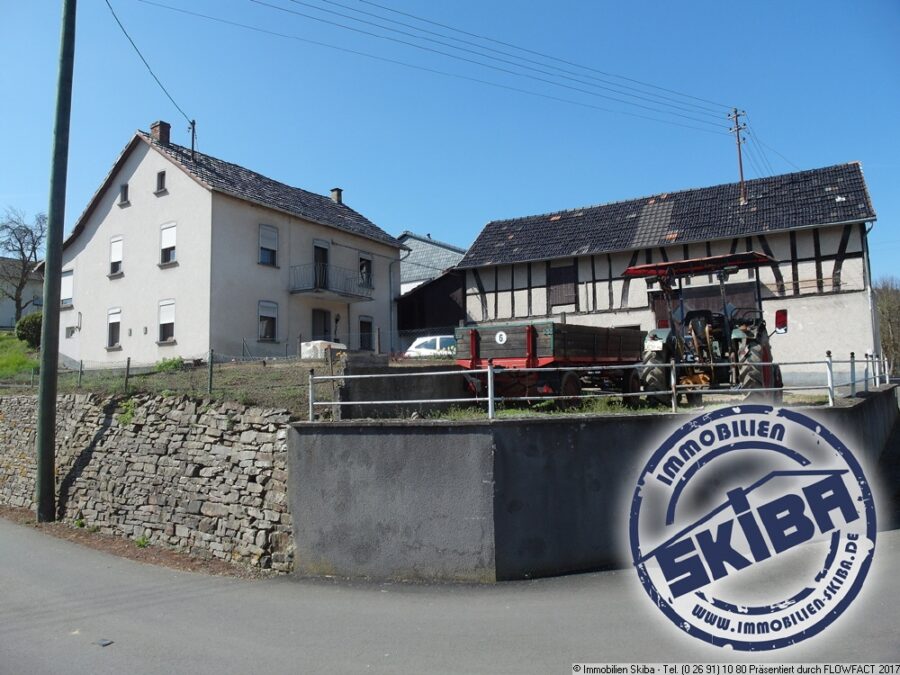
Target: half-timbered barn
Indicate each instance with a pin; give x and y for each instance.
(570, 264)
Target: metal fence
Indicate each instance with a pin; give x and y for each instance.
(863, 373)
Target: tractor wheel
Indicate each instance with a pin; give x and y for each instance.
(750, 373)
(694, 398)
(570, 385)
(631, 384)
(653, 379)
(778, 396)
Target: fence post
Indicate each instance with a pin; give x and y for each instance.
(866, 375)
(209, 372)
(876, 369)
(884, 369)
(378, 339)
(673, 384)
(490, 388)
(80, 372)
(852, 373)
(32, 377)
(312, 397)
(829, 372)
(127, 372)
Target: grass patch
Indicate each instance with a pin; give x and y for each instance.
(16, 359)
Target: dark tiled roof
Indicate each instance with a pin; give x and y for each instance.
(428, 258)
(253, 187)
(835, 194)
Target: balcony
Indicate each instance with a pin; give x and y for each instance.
(332, 283)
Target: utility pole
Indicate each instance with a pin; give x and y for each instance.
(736, 130)
(45, 484)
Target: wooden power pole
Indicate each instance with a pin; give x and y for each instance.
(736, 130)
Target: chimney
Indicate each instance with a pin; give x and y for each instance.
(159, 131)
(336, 195)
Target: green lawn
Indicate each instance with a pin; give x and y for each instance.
(15, 358)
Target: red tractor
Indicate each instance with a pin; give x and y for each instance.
(717, 344)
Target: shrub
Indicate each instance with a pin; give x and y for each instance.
(170, 365)
(28, 329)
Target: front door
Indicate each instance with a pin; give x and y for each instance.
(321, 324)
(320, 257)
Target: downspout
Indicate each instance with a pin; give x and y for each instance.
(876, 337)
(391, 295)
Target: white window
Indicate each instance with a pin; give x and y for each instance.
(268, 245)
(66, 287)
(167, 253)
(161, 181)
(113, 323)
(366, 278)
(115, 256)
(268, 320)
(167, 321)
(123, 193)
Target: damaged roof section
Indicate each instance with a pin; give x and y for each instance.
(830, 195)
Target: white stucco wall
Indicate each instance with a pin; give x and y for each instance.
(143, 284)
(239, 282)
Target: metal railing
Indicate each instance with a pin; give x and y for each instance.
(874, 372)
(325, 277)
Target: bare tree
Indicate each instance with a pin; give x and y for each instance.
(887, 298)
(21, 243)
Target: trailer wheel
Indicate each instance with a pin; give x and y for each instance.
(653, 379)
(570, 385)
(631, 384)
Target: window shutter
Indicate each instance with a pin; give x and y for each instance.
(268, 237)
(66, 286)
(115, 315)
(167, 240)
(115, 251)
(167, 312)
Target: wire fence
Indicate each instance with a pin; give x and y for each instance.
(266, 382)
(859, 376)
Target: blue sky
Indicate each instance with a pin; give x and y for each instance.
(444, 155)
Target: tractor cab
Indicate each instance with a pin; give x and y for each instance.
(717, 332)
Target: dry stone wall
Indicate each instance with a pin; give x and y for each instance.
(205, 477)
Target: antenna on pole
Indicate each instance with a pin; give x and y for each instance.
(193, 137)
(736, 130)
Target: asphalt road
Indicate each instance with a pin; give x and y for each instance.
(57, 599)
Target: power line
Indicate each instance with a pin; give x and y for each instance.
(642, 95)
(759, 147)
(547, 56)
(763, 145)
(149, 69)
(435, 71)
(473, 61)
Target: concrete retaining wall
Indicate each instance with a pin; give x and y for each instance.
(209, 478)
(399, 389)
(509, 499)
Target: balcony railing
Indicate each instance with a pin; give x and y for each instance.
(330, 280)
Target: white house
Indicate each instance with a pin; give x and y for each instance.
(179, 252)
(32, 293)
(813, 223)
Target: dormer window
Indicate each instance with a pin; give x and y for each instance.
(123, 195)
